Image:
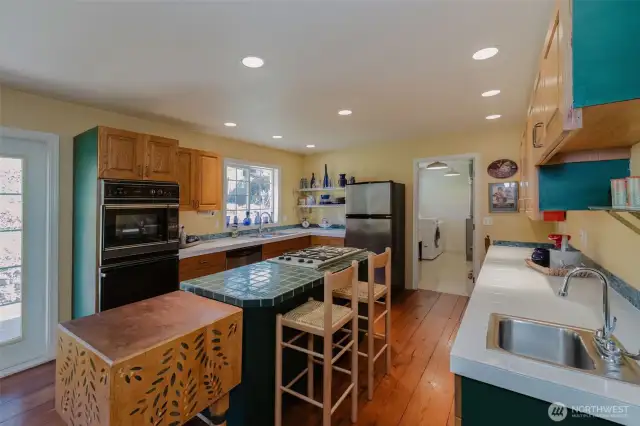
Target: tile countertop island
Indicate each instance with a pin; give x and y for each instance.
(263, 290)
(507, 286)
(224, 244)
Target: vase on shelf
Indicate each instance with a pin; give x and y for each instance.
(247, 220)
(342, 181)
(325, 180)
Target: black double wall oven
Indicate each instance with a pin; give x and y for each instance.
(138, 240)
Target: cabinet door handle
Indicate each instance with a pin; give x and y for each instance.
(535, 134)
(147, 170)
(203, 262)
(139, 170)
(103, 275)
(197, 204)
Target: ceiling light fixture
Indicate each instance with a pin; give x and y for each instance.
(489, 93)
(345, 112)
(487, 53)
(311, 146)
(229, 124)
(452, 172)
(252, 62)
(493, 117)
(277, 137)
(438, 165)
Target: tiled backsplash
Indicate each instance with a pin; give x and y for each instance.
(241, 231)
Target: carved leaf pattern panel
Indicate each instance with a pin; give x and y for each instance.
(82, 381)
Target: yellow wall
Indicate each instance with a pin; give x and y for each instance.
(31, 112)
(394, 161)
(608, 242)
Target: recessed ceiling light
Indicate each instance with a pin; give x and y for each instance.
(252, 62)
(345, 112)
(489, 93)
(311, 146)
(277, 137)
(493, 117)
(487, 53)
(229, 124)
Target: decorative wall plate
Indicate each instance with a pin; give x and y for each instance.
(502, 169)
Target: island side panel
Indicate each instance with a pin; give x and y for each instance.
(171, 383)
(82, 383)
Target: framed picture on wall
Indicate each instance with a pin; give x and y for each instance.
(503, 197)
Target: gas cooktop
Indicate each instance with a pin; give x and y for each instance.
(315, 257)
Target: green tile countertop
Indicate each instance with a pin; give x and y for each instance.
(263, 284)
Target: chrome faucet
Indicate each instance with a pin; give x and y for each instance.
(260, 226)
(606, 345)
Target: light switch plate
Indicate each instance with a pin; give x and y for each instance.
(487, 221)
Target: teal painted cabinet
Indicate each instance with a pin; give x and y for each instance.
(486, 405)
(576, 186)
(606, 51)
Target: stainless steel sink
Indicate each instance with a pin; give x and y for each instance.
(561, 345)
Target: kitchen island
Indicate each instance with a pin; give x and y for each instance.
(264, 290)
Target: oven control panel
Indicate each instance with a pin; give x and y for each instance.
(140, 192)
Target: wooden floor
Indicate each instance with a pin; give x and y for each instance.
(418, 391)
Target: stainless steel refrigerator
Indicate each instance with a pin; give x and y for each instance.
(375, 220)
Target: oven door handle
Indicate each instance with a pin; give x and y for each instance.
(140, 206)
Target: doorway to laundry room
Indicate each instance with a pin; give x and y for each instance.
(445, 225)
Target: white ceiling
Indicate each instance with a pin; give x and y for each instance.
(403, 67)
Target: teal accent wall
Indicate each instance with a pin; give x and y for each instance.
(606, 51)
(85, 219)
(576, 186)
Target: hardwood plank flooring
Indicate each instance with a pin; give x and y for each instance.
(418, 390)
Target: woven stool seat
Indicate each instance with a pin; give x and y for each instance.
(311, 315)
(379, 290)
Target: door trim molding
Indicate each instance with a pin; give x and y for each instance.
(52, 145)
(478, 253)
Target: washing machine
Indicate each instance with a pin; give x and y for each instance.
(431, 237)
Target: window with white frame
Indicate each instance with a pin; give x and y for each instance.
(252, 189)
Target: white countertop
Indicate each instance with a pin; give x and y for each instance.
(226, 244)
(507, 286)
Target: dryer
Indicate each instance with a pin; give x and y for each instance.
(431, 237)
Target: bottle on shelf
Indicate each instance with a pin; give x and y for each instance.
(325, 180)
(313, 180)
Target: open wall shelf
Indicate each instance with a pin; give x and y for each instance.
(615, 213)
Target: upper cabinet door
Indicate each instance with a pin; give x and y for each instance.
(121, 154)
(187, 178)
(209, 179)
(161, 159)
(550, 74)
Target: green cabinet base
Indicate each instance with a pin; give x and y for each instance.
(484, 404)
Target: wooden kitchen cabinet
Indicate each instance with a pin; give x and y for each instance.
(129, 155)
(120, 154)
(318, 240)
(271, 250)
(586, 96)
(208, 181)
(187, 178)
(200, 266)
(200, 180)
(161, 159)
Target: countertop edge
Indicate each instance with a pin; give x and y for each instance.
(244, 242)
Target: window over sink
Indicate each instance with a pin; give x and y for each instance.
(250, 188)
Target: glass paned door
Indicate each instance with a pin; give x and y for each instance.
(10, 249)
(28, 294)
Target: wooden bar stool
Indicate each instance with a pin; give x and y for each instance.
(322, 319)
(370, 293)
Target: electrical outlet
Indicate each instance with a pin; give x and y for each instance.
(584, 239)
(487, 221)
